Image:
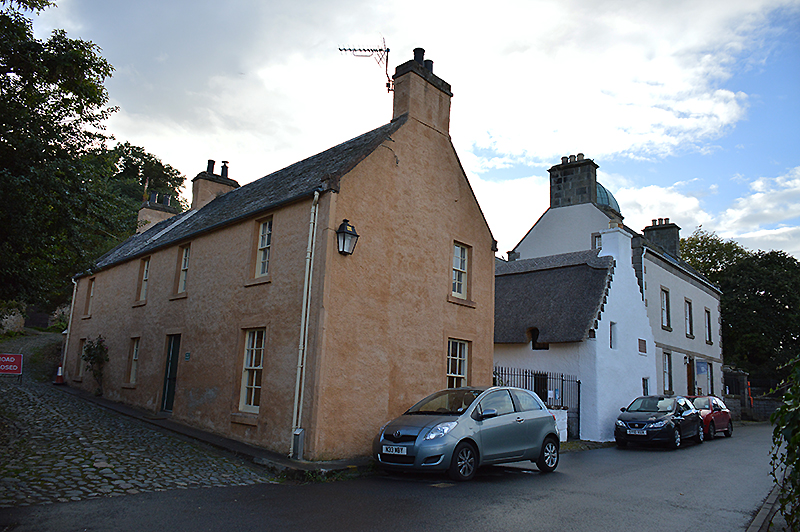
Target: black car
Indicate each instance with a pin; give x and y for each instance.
(666, 419)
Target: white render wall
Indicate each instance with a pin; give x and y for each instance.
(621, 367)
(685, 350)
(563, 230)
(610, 377)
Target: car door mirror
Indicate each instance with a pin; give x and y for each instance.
(623, 409)
(488, 413)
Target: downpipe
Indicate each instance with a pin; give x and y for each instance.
(299, 388)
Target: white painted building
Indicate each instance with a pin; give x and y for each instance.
(676, 350)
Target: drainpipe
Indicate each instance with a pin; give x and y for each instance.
(296, 451)
(69, 324)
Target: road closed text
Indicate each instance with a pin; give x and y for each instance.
(10, 364)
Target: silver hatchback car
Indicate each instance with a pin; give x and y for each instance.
(457, 430)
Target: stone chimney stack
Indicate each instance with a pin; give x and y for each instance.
(421, 94)
(207, 185)
(574, 181)
(666, 235)
(153, 211)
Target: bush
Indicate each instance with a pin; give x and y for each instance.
(786, 447)
(95, 355)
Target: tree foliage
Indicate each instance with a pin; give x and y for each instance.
(786, 447)
(761, 312)
(710, 255)
(65, 198)
(760, 304)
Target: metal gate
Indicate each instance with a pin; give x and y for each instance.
(555, 389)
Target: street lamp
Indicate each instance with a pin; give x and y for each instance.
(347, 237)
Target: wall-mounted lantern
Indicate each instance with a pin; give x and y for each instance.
(347, 237)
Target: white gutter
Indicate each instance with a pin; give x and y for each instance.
(69, 324)
(299, 389)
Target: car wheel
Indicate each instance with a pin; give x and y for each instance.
(712, 431)
(699, 438)
(622, 443)
(676, 438)
(548, 458)
(464, 464)
(729, 430)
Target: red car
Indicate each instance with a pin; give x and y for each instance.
(716, 416)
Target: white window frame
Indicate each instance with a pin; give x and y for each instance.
(457, 353)
(132, 373)
(145, 278)
(185, 253)
(666, 321)
(707, 320)
(667, 372)
(252, 370)
(460, 270)
(264, 247)
(89, 298)
(688, 318)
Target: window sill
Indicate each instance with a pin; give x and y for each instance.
(182, 295)
(667, 328)
(86, 316)
(690, 336)
(463, 302)
(129, 386)
(709, 342)
(140, 303)
(245, 419)
(258, 280)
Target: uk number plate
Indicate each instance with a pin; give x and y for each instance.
(394, 449)
(637, 432)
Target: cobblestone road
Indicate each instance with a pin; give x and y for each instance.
(55, 447)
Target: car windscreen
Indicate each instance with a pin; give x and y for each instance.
(701, 403)
(446, 402)
(652, 404)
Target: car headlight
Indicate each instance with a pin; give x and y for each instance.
(620, 423)
(440, 430)
(657, 424)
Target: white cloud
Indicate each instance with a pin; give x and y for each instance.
(773, 204)
(640, 206)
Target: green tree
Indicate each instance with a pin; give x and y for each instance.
(761, 313)
(710, 255)
(135, 170)
(58, 208)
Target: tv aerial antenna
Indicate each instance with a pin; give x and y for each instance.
(381, 56)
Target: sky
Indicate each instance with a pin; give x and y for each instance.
(691, 108)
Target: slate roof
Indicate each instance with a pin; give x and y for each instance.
(560, 295)
(300, 180)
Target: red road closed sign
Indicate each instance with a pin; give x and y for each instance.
(10, 364)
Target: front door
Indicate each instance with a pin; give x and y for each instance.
(690, 383)
(171, 373)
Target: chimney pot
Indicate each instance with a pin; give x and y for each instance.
(210, 168)
(661, 221)
(654, 221)
(666, 220)
(580, 156)
(419, 55)
(572, 158)
(564, 160)
(225, 169)
(429, 65)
